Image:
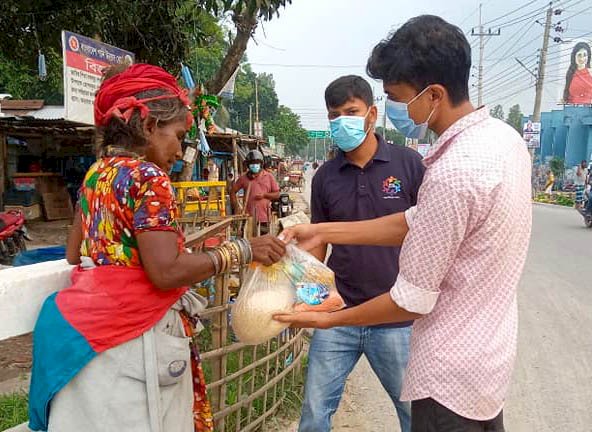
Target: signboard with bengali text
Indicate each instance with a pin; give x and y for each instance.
(84, 62)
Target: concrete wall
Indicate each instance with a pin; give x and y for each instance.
(566, 133)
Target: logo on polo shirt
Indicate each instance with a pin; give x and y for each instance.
(391, 187)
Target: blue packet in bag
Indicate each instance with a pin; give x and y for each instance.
(311, 293)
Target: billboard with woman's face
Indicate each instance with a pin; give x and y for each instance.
(578, 79)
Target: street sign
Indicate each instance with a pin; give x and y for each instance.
(319, 134)
(84, 62)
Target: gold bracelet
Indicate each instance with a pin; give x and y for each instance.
(236, 255)
(225, 258)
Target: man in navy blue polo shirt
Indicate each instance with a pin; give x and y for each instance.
(367, 179)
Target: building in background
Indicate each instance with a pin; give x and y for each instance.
(567, 134)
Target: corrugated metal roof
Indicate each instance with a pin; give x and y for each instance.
(49, 112)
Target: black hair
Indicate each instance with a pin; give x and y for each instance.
(425, 50)
(346, 88)
(573, 67)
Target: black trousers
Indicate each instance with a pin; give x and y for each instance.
(427, 415)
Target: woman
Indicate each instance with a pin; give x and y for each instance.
(550, 182)
(112, 352)
(578, 83)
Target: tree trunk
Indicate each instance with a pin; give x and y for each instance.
(245, 27)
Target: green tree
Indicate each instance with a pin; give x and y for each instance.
(497, 112)
(287, 129)
(515, 117)
(244, 97)
(392, 135)
(557, 165)
(161, 33)
(22, 82)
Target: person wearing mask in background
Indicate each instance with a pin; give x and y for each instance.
(260, 188)
(466, 240)
(367, 179)
(580, 183)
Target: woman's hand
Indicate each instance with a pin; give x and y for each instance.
(267, 249)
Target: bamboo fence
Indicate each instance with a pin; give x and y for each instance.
(246, 384)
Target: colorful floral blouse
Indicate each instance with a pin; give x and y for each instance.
(120, 198)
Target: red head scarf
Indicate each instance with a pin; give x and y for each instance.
(116, 96)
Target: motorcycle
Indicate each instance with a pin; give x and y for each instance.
(13, 234)
(283, 206)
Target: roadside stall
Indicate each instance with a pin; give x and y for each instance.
(43, 159)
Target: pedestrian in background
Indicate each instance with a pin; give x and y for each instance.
(580, 183)
(550, 182)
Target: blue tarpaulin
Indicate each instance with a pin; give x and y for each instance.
(40, 255)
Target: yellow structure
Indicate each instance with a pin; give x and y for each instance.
(190, 200)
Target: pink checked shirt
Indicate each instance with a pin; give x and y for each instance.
(461, 263)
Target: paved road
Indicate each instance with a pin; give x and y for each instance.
(552, 384)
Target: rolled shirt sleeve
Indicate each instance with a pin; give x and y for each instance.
(437, 227)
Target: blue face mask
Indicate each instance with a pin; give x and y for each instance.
(398, 114)
(255, 168)
(348, 131)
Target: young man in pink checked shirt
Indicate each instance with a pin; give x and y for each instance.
(463, 246)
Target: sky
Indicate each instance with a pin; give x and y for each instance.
(315, 41)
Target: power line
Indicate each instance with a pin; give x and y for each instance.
(469, 17)
(522, 18)
(516, 77)
(511, 12)
(577, 13)
(503, 74)
(506, 77)
(517, 50)
(516, 93)
(308, 65)
(510, 38)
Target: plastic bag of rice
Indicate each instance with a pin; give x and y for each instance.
(298, 282)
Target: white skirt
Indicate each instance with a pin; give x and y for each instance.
(144, 385)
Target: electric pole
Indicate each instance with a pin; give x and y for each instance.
(536, 113)
(250, 119)
(256, 101)
(482, 34)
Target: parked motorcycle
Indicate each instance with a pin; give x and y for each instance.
(283, 206)
(12, 235)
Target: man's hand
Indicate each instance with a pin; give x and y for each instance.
(307, 236)
(267, 249)
(320, 320)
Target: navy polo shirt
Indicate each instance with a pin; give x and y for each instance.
(341, 192)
